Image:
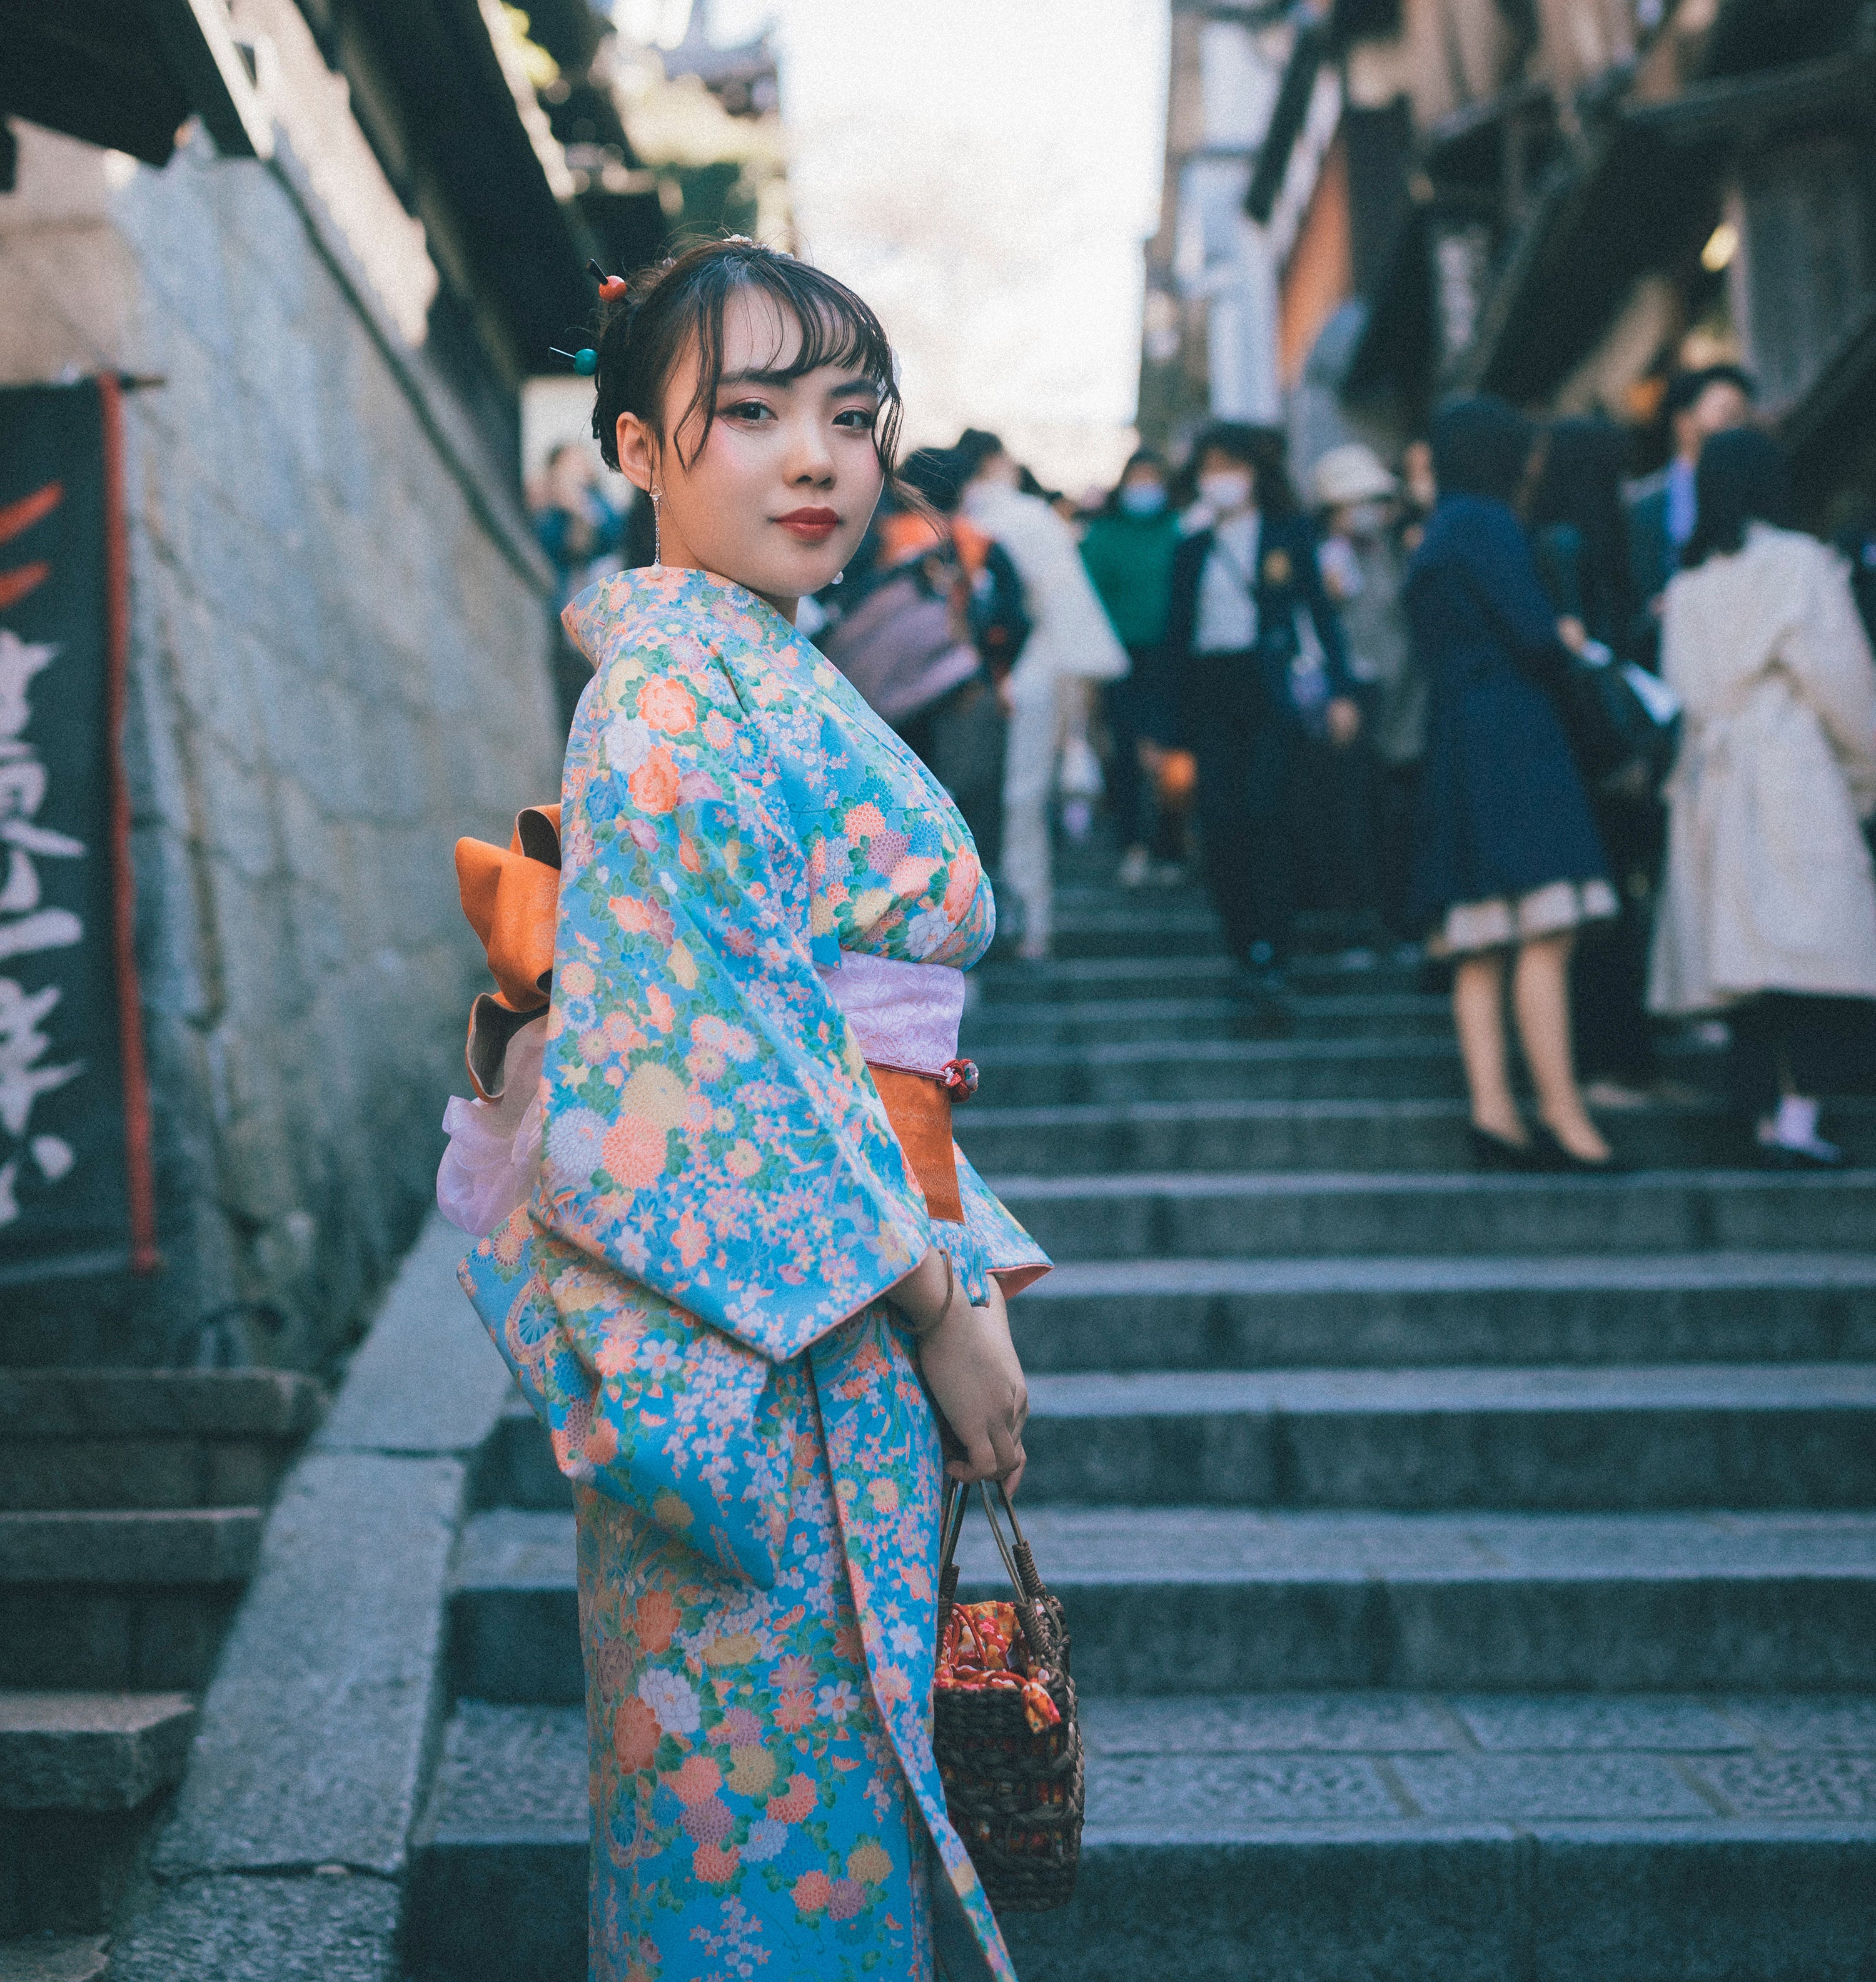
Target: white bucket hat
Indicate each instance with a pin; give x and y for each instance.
(1350, 474)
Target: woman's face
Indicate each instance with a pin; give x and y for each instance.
(1143, 491)
(779, 496)
(1224, 482)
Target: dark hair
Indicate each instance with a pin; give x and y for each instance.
(1742, 479)
(1579, 487)
(667, 305)
(1481, 446)
(1142, 457)
(975, 447)
(1263, 450)
(1683, 388)
(935, 474)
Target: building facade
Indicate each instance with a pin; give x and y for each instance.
(1562, 201)
(323, 264)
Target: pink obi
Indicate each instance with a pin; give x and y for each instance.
(905, 1016)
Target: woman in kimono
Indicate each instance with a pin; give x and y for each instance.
(752, 1259)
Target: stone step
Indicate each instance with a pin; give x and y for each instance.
(103, 1439)
(1259, 1070)
(1268, 1069)
(1079, 980)
(90, 1751)
(1394, 1313)
(515, 1466)
(1209, 1215)
(136, 1599)
(1736, 1435)
(1211, 1600)
(1168, 932)
(1731, 1436)
(47, 1957)
(498, 1880)
(83, 1777)
(1304, 1135)
(991, 1028)
(1200, 1600)
(1469, 1839)
(1311, 1835)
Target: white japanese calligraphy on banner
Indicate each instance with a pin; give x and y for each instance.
(26, 928)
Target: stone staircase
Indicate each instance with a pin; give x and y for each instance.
(1469, 1576)
(132, 1503)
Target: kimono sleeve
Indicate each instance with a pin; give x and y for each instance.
(710, 1129)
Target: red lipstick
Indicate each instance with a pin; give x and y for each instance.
(810, 526)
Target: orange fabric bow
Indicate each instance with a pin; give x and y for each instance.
(512, 897)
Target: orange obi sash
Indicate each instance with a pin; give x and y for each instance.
(510, 895)
(918, 1106)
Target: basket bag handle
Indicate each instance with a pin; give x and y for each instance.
(1018, 1564)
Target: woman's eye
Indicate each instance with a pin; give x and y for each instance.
(857, 419)
(747, 410)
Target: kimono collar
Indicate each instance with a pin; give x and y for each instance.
(619, 608)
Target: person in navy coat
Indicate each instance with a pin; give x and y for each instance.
(1255, 658)
(1507, 865)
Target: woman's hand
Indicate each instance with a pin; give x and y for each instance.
(970, 1364)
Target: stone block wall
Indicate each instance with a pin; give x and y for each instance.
(338, 665)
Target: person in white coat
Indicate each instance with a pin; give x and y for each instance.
(1071, 645)
(1768, 911)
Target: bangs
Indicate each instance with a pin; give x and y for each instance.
(831, 326)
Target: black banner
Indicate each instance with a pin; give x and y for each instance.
(74, 1172)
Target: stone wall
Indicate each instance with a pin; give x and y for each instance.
(338, 664)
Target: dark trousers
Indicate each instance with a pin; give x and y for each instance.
(1130, 708)
(1609, 970)
(1333, 831)
(1247, 753)
(1821, 1046)
(1396, 798)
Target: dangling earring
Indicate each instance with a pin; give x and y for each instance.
(658, 535)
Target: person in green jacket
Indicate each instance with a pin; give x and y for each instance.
(1128, 550)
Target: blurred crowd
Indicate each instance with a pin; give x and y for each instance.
(1597, 753)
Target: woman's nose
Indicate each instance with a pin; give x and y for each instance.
(810, 458)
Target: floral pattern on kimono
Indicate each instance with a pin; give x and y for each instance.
(692, 1300)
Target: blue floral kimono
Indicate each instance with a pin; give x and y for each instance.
(692, 1299)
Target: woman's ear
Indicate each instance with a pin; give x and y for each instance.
(637, 450)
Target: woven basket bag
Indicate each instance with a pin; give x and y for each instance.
(1014, 1795)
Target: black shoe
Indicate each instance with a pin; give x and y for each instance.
(1496, 1152)
(1552, 1156)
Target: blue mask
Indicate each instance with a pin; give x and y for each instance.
(1143, 498)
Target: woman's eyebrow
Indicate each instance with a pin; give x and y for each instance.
(782, 381)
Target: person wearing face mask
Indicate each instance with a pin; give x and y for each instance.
(1048, 693)
(1364, 568)
(1255, 653)
(1128, 550)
